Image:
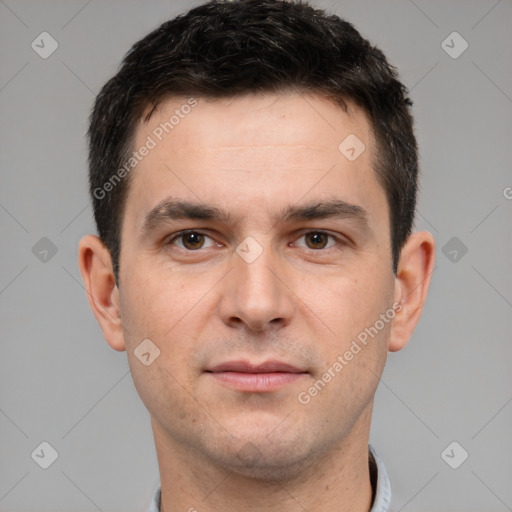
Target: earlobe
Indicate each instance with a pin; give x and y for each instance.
(97, 272)
(411, 286)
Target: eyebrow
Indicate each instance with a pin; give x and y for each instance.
(171, 209)
(176, 209)
(333, 208)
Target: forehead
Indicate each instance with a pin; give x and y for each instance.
(254, 122)
(271, 150)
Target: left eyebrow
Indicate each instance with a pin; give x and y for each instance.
(333, 208)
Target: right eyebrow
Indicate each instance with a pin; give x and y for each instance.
(175, 209)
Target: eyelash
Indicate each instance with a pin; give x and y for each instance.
(181, 234)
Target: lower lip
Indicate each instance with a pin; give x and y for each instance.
(257, 382)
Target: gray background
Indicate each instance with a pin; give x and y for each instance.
(61, 383)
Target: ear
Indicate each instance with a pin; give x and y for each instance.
(97, 272)
(414, 271)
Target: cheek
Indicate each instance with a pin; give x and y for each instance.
(158, 309)
(352, 302)
(151, 310)
(355, 358)
(168, 396)
(154, 305)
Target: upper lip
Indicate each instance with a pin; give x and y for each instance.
(247, 367)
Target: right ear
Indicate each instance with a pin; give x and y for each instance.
(97, 272)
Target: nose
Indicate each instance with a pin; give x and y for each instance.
(257, 294)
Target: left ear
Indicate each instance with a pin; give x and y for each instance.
(414, 271)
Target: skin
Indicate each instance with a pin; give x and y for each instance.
(299, 302)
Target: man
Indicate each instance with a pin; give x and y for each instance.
(253, 171)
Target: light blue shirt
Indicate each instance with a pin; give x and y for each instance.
(382, 488)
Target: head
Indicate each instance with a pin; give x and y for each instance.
(282, 142)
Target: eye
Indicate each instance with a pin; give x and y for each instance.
(317, 240)
(191, 240)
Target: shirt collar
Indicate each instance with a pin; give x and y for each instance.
(379, 479)
(382, 488)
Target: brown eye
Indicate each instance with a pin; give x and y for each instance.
(316, 240)
(192, 240)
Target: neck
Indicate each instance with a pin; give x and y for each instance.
(337, 481)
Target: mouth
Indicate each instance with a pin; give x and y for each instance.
(261, 378)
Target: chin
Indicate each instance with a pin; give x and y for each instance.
(266, 461)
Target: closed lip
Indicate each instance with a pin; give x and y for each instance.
(248, 367)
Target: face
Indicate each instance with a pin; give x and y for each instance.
(254, 254)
